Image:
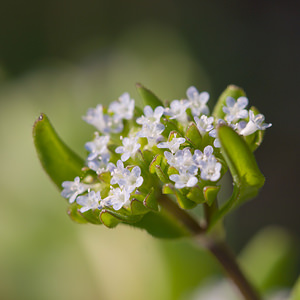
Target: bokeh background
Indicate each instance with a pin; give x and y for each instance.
(62, 57)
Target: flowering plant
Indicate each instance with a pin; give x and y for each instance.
(147, 168)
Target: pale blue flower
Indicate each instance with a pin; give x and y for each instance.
(117, 198)
(89, 201)
(197, 101)
(173, 145)
(100, 163)
(235, 109)
(182, 161)
(184, 179)
(210, 169)
(198, 156)
(73, 188)
(255, 123)
(124, 177)
(150, 116)
(129, 148)
(204, 124)
(123, 108)
(103, 122)
(151, 131)
(177, 110)
(97, 147)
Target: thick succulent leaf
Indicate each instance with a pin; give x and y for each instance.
(57, 159)
(231, 91)
(148, 97)
(271, 259)
(193, 136)
(246, 175)
(295, 295)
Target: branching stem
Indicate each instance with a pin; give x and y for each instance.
(216, 247)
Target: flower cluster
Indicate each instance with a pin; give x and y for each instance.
(178, 143)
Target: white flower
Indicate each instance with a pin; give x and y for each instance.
(204, 124)
(73, 188)
(198, 156)
(210, 169)
(173, 145)
(118, 173)
(104, 123)
(197, 101)
(255, 123)
(89, 201)
(117, 198)
(100, 163)
(182, 161)
(150, 115)
(122, 109)
(177, 110)
(235, 109)
(184, 179)
(129, 148)
(124, 178)
(97, 147)
(134, 180)
(96, 118)
(151, 131)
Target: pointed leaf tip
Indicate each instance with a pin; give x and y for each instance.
(57, 159)
(149, 98)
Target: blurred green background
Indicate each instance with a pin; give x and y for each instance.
(62, 57)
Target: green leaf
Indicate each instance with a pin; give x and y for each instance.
(172, 171)
(111, 218)
(92, 216)
(138, 208)
(151, 201)
(161, 174)
(148, 97)
(193, 136)
(196, 195)
(231, 91)
(183, 201)
(155, 162)
(75, 215)
(168, 189)
(246, 175)
(57, 159)
(210, 193)
(170, 126)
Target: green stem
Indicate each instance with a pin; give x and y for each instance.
(217, 248)
(228, 261)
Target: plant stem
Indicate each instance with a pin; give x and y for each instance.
(217, 248)
(228, 261)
